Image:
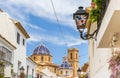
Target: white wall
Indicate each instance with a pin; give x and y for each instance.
(98, 57)
(112, 7)
(9, 31)
(98, 61)
(31, 65)
(7, 69)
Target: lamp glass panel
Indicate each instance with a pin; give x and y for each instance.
(80, 21)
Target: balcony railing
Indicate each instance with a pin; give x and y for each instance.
(105, 4)
(5, 55)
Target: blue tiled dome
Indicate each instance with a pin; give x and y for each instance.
(41, 50)
(65, 65)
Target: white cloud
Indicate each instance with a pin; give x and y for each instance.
(20, 10)
(35, 27)
(43, 8)
(68, 40)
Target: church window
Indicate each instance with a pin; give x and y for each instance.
(42, 58)
(61, 72)
(66, 72)
(49, 58)
(34, 58)
(55, 70)
(76, 56)
(71, 55)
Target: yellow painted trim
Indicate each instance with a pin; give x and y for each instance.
(48, 64)
(20, 27)
(18, 24)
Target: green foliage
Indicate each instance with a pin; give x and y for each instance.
(96, 12)
(12, 69)
(1, 76)
(1, 69)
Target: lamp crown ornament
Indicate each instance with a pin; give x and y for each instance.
(80, 7)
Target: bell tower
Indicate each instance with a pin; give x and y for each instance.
(73, 59)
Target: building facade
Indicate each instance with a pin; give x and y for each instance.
(73, 59)
(65, 69)
(106, 43)
(6, 57)
(30, 71)
(42, 57)
(15, 34)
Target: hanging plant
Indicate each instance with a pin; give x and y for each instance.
(96, 10)
(114, 65)
(1, 69)
(12, 70)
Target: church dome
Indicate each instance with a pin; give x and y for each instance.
(41, 50)
(65, 65)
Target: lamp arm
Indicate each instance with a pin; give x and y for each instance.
(87, 36)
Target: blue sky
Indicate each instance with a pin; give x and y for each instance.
(38, 18)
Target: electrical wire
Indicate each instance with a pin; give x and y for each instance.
(59, 25)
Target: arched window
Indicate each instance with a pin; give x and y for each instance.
(34, 58)
(76, 56)
(54, 70)
(61, 72)
(66, 72)
(49, 58)
(42, 58)
(71, 55)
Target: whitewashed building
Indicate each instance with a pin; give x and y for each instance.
(106, 42)
(6, 57)
(13, 32)
(31, 65)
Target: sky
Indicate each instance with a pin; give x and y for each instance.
(39, 20)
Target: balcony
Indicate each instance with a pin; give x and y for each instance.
(5, 55)
(109, 25)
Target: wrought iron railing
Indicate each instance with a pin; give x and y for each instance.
(5, 55)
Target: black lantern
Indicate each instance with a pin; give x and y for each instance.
(80, 17)
(22, 75)
(22, 70)
(79, 72)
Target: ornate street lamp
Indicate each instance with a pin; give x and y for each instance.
(80, 17)
(22, 70)
(79, 72)
(22, 75)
